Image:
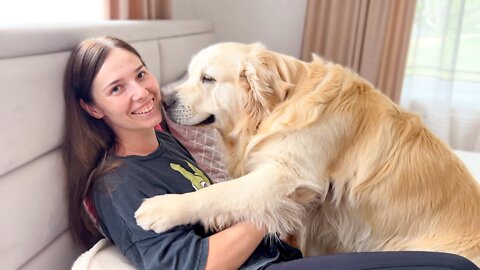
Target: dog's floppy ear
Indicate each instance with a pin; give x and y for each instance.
(265, 75)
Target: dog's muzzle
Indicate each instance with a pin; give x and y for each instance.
(179, 113)
(182, 114)
(176, 111)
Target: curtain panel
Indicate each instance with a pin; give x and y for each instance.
(138, 9)
(369, 36)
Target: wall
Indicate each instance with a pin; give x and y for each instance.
(276, 23)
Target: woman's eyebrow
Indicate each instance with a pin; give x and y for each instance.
(139, 68)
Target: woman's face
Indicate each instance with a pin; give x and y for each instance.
(125, 94)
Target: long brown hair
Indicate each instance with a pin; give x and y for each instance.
(87, 140)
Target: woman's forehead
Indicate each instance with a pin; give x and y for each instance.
(119, 59)
(119, 63)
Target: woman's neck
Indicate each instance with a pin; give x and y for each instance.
(137, 142)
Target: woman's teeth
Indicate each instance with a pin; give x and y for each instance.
(144, 110)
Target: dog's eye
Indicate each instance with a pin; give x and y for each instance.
(207, 79)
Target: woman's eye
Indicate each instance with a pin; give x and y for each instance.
(207, 79)
(115, 89)
(141, 74)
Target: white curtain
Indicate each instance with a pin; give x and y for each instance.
(442, 78)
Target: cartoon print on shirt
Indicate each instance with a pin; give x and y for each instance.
(198, 178)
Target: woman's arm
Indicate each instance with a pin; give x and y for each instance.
(230, 248)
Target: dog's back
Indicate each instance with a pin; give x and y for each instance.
(394, 185)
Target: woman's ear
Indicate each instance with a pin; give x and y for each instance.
(92, 110)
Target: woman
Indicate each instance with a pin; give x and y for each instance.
(115, 157)
(113, 153)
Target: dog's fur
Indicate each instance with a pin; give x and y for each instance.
(318, 150)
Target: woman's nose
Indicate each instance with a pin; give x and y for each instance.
(138, 91)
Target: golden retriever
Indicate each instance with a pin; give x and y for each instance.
(317, 150)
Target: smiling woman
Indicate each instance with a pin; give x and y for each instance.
(126, 96)
(32, 11)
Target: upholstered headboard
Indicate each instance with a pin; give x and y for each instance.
(33, 229)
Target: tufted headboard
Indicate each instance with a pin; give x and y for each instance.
(33, 229)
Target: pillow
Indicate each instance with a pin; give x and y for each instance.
(102, 256)
(203, 142)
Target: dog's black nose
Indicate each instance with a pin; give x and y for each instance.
(169, 101)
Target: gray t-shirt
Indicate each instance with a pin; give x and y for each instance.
(118, 194)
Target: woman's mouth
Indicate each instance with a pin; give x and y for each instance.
(145, 109)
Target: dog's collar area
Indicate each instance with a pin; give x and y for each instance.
(209, 120)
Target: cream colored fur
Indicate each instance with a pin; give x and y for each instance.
(318, 151)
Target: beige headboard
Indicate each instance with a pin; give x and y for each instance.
(33, 228)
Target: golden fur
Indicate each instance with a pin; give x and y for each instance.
(319, 151)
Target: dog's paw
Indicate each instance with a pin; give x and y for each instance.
(162, 213)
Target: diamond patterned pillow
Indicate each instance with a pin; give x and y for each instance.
(202, 142)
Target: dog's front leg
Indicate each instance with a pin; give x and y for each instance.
(257, 197)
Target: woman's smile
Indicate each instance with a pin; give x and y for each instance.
(145, 108)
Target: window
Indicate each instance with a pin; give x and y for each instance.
(442, 77)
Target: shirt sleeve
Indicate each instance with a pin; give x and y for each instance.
(182, 247)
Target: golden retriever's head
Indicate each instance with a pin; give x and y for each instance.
(227, 82)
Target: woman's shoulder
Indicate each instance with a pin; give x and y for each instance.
(113, 180)
(118, 176)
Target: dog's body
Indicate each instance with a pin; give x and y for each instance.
(317, 150)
